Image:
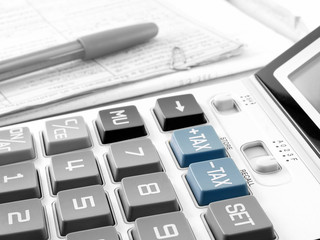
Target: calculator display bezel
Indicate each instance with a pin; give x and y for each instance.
(275, 77)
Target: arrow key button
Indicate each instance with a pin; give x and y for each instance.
(178, 112)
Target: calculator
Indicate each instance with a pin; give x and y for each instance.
(236, 160)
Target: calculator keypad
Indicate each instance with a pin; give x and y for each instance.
(146, 195)
(108, 179)
(23, 220)
(72, 170)
(64, 135)
(132, 158)
(82, 209)
(16, 145)
(19, 181)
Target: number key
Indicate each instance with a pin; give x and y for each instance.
(147, 194)
(23, 220)
(164, 226)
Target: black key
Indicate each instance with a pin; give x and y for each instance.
(178, 112)
(119, 124)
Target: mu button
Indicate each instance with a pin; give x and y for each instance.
(178, 112)
(119, 124)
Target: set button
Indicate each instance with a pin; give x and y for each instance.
(196, 144)
(239, 218)
(216, 180)
(178, 112)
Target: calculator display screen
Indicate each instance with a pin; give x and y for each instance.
(307, 79)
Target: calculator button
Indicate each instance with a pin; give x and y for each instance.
(163, 226)
(216, 180)
(178, 112)
(224, 103)
(239, 218)
(18, 181)
(64, 135)
(133, 157)
(103, 233)
(16, 145)
(146, 195)
(72, 170)
(23, 220)
(196, 144)
(82, 209)
(119, 124)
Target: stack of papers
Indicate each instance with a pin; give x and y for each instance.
(199, 33)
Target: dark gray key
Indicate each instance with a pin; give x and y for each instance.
(164, 226)
(64, 135)
(19, 181)
(239, 218)
(103, 233)
(23, 220)
(119, 124)
(132, 158)
(16, 145)
(178, 112)
(72, 170)
(146, 195)
(82, 209)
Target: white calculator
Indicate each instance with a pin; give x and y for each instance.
(236, 160)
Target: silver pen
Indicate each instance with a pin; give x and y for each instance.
(87, 47)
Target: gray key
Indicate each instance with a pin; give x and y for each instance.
(72, 170)
(133, 157)
(119, 124)
(23, 220)
(82, 209)
(16, 145)
(164, 226)
(103, 233)
(64, 135)
(18, 181)
(239, 218)
(146, 195)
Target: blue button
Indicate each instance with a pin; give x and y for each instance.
(216, 180)
(196, 144)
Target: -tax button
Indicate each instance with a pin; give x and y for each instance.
(216, 180)
(196, 144)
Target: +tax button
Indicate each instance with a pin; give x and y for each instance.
(216, 180)
(196, 144)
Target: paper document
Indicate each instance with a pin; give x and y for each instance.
(193, 30)
(180, 44)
